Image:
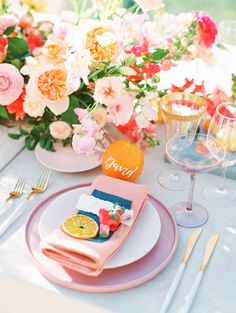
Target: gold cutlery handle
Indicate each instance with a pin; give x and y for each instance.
(30, 194)
(190, 245)
(210, 246)
(8, 199)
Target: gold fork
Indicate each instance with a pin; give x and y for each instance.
(42, 183)
(18, 189)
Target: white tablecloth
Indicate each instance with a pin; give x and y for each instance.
(217, 292)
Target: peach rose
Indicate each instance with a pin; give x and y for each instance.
(54, 51)
(97, 52)
(60, 130)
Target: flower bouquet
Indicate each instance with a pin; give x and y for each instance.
(68, 81)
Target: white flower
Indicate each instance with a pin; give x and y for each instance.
(60, 130)
(106, 39)
(34, 106)
(77, 65)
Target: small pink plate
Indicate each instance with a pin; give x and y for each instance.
(110, 280)
(66, 160)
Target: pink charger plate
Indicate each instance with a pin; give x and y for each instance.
(110, 280)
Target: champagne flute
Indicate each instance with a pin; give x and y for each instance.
(182, 113)
(223, 128)
(193, 153)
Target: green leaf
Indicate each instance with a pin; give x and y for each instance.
(222, 46)
(14, 136)
(159, 54)
(22, 131)
(69, 116)
(9, 30)
(30, 142)
(17, 47)
(3, 112)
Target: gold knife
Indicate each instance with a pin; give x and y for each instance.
(210, 246)
(175, 282)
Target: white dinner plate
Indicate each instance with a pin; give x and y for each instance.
(140, 242)
(66, 160)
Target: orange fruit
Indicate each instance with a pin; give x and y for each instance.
(80, 226)
(123, 160)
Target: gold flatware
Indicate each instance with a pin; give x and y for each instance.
(210, 246)
(41, 185)
(189, 248)
(18, 189)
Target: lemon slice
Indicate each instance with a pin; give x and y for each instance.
(228, 138)
(80, 226)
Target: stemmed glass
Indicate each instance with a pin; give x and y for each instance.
(223, 128)
(193, 154)
(182, 113)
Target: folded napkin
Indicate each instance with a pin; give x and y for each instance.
(88, 257)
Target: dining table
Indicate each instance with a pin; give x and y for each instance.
(24, 289)
(216, 294)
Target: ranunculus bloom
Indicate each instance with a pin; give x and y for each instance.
(11, 83)
(26, 21)
(109, 90)
(207, 29)
(60, 130)
(148, 5)
(83, 144)
(16, 107)
(35, 41)
(3, 48)
(97, 52)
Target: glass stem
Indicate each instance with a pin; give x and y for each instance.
(189, 207)
(222, 185)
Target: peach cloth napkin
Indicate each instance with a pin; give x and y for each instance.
(88, 257)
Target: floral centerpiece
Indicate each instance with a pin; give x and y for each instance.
(68, 81)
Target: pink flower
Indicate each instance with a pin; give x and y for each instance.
(7, 20)
(90, 127)
(207, 29)
(104, 231)
(121, 112)
(109, 90)
(81, 113)
(11, 83)
(166, 65)
(83, 144)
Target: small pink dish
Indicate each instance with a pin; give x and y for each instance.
(111, 280)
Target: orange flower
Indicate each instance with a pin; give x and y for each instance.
(52, 84)
(16, 107)
(97, 52)
(3, 48)
(54, 50)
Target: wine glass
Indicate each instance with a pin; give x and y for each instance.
(223, 128)
(193, 153)
(182, 113)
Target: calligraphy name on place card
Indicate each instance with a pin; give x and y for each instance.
(125, 171)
